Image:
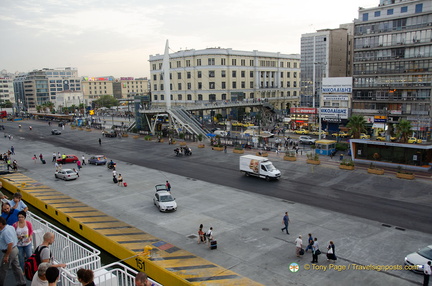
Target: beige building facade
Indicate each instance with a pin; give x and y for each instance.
(217, 75)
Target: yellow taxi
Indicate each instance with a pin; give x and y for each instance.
(317, 132)
(341, 134)
(302, 131)
(383, 138)
(413, 140)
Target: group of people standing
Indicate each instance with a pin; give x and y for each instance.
(7, 158)
(313, 245)
(205, 237)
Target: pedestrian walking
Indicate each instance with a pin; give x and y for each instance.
(426, 273)
(34, 158)
(285, 221)
(54, 157)
(13, 150)
(331, 255)
(310, 242)
(120, 180)
(76, 171)
(78, 165)
(315, 251)
(56, 165)
(201, 234)
(299, 245)
(168, 186)
(41, 157)
(100, 142)
(83, 160)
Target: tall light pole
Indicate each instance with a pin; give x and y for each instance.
(319, 99)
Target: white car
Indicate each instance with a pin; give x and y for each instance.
(419, 258)
(221, 133)
(306, 140)
(164, 201)
(66, 174)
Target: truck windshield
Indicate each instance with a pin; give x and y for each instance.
(270, 167)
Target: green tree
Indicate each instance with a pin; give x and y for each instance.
(48, 105)
(6, 104)
(403, 130)
(356, 125)
(107, 101)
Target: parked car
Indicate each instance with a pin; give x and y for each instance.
(69, 159)
(413, 140)
(419, 258)
(362, 136)
(302, 131)
(161, 187)
(306, 140)
(164, 201)
(97, 160)
(66, 174)
(317, 132)
(221, 133)
(55, 132)
(383, 138)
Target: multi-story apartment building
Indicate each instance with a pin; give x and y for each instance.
(62, 79)
(6, 90)
(392, 63)
(31, 89)
(130, 87)
(325, 53)
(216, 74)
(94, 87)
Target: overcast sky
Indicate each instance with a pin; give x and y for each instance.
(108, 37)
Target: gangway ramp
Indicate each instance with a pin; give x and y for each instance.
(165, 262)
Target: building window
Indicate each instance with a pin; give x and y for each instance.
(234, 62)
(390, 12)
(171, 97)
(288, 74)
(419, 8)
(281, 64)
(251, 63)
(224, 97)
(295, 65)
(295, 74)
(223, 73)
(179, 97)
(179, 85)
(281, 85)
(295, 84)
(188, 75)
(281, 74)
(251, 95)
(211, 61)
(198, 62)
(234, 84)
(365, 17)
(223, 62)
(179, 64)
(212, 97)
(243, 74)
(199, 74)
(243, 84)
(223, 85)
(155, 97)
(154, 66)
(377, 13)
(251, 84)
(288, 84)
(189, 97)
(189, 85)
(243, 63)
(200, 97)
(251, 74)
(179, 75)
(211, 85)
(188, 63)
(211, 73)
(234, 73)
(161, 87)
(154, 77)
(200, 85)
(155, 87)
(404, 9)
(162, 97)
(160, 66)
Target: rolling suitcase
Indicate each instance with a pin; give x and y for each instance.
(213, 244)
(43, 161)
(115, 180)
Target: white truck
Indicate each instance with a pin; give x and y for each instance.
(258, 166)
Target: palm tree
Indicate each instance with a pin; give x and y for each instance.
(403, 130)
(49, 105)
(356, 125)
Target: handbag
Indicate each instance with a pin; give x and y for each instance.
(302, 251)
(317, 252)
(330, 251)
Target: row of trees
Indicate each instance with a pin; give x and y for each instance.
(357, 125)
(107, 101)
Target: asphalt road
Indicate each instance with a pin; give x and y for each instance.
(392, 201)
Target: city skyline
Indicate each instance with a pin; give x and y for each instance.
(116, 38)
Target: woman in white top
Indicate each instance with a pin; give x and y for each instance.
(24, 231)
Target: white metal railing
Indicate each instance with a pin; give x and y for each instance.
(78, 254)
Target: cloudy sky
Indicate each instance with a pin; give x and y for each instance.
(116, 37)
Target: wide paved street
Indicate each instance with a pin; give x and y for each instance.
(246, 213)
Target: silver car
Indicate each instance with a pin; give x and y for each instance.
(164, 201)
(66, 174)
(306, 140)
(419, 258)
